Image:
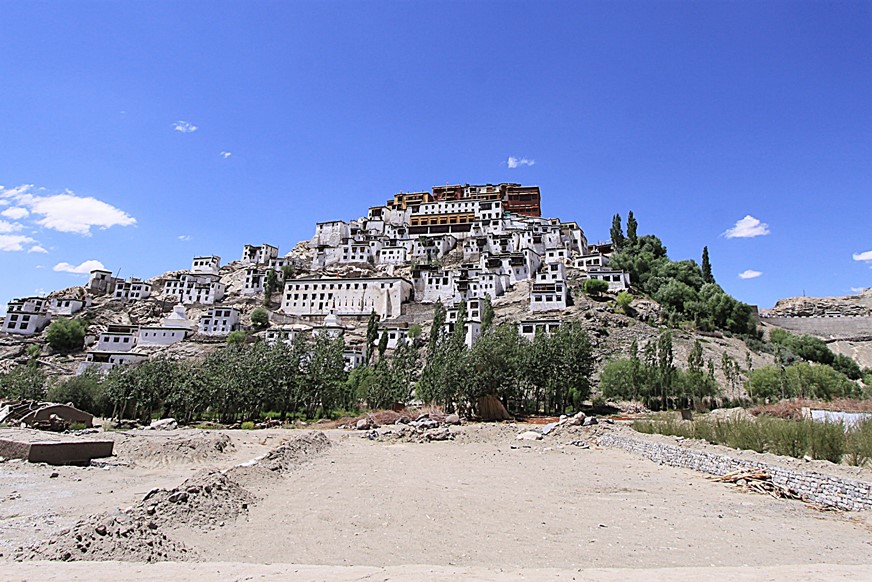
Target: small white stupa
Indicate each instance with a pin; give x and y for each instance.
(178, 319)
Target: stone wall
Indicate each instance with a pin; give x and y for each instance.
(826, 490)
(825, 327)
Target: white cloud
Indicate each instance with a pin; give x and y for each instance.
(83, 268)
(514, 162)
(15, 213)
(185, 127)
(225, 155)
(749, 274)
(747, 227)
(858, 289)
(864, 256)
(185, 237)
(36, 249)
(69, 213)
(14, 242)
(7, 227)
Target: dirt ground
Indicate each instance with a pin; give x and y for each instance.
(484, 506)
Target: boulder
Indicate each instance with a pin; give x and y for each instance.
(164, 424)
(529, 436)
(452, 419)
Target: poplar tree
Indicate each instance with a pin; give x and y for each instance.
(371, 335)
(617, 232)
(632, 227)
(707, 276)
(487, 314)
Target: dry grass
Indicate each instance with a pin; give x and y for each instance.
(792, 409)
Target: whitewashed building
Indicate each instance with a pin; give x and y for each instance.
(617, 280)
(219, 321)
(101, 282)
(173, 328)
(66, 305)
(259, 255)
(549, 290)
(27, 316)
(384, 295)
(191, 288)
(528, 328)
(105, 361)
(206, 265)
(117, 338)
(132, 290)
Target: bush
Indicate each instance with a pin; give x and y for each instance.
(623, 301)
(66, 335)
(595, 287)
(85, 392)
(858, 445)
(235, 338)
(260, 318)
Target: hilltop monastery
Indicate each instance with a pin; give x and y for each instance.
(452, 244)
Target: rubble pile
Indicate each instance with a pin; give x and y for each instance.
(205, 500)
(186, 447)
(428, 427)
(127, 536)
(294, 452)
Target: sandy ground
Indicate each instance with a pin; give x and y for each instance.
(484, 506)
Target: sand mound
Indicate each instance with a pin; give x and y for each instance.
(205, 500)
(125, 537)
(151, 448)
(294, 452)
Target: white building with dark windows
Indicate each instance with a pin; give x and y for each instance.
(117, 338)
(259, 255)
(384, 295)
(173, 328)
(219, 321)
(132, 290)
(206, 265)
(190, 288)
(27, 316)
(528, 328)
(617, 280)
(549, 291)
(66, 305)
(102, 362)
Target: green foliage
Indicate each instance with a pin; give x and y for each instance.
(846, 366)
(66, 334)
(617, 233)
(623, 301)
(795, 438)
(371, 335)
(237, 337)
(288, 273)
(85, 392)
(260, 316)
(686, 290)
(415, 332)
(247, 425)
(802, 380)
(632, 229)
(858, 444)
(655, 380)
(487, 314)
(24, 382)
(269, 286)
(595, 287)
(706, 267)
(382, 344)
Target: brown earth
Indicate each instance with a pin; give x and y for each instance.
(482, 506)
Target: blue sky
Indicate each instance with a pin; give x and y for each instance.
(140, 134)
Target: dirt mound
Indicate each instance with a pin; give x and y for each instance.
(205, 500)
(151, 448)
(294, 452)
(127, 537)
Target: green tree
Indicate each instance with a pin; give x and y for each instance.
(24, 382)
(595, 286)
(237, 337)
(287, 273)
(487, 314)
(371, 335)
(632, 228)
(437, 327)
(617, 233)
(260, 316)
(706, 267)
(85, 392)
(269, 286)
(623, 301)
(382, 344)
(66, 334)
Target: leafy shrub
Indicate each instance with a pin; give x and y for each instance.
(85, 392)
(260, 316)
(66, 334)
(595, 287)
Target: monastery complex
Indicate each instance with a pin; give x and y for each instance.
(454, 244)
